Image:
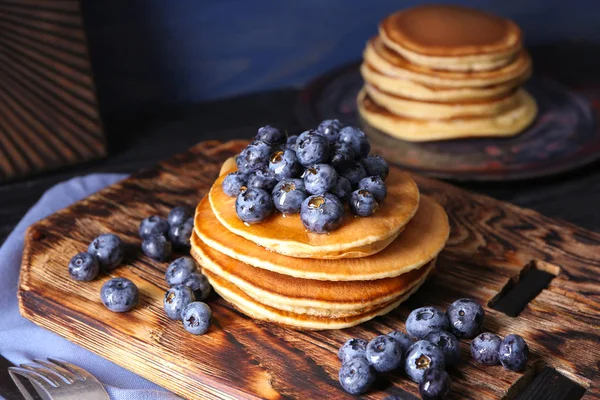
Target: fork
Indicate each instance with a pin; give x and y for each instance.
(57, 380)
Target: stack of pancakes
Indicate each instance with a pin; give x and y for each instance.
(440, 72)
(279, 272)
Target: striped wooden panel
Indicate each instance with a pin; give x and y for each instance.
(48, 110)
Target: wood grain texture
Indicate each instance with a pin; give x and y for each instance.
(48, 111)
(490, 243)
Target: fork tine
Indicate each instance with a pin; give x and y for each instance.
(45, 373)
(81, 373)
(33, 377)
(66, 375)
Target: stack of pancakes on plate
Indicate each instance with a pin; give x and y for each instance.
(439, 72)
(280, 272)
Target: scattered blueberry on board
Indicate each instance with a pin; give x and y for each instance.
(421, 356)
(178, 215)
(448, 343)
(108, 249)
(356, 376)
(384, 353)
(84, 267)
(119, 295)
(424, 320)
(485, 347)
(466, 318)
(435, 385)
(179, 270)
(354, 347)
(196, 317)
(330, 160)
(198, 284)
(153, 225)
(176, 298)
(402, 338)
(180, 234)
(157, 247)
(513, 353)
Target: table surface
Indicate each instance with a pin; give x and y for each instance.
(136, 144)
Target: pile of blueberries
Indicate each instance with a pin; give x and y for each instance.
(437, 346)
(313, 174)
(160, 235)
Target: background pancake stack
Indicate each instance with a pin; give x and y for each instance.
(279, 272)
(441, 72)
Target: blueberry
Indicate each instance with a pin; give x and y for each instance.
(119, 294)
(321, 213)
(291, 142)
(199, 285)
(342, 189)
(485, 347)
(234, 183)
(354, 172)
(402, 338)
(320, 178)
(284, 164)
(424, 320)
(253, 205)
(196, 317)
(375, 185)
(384, 353)
(180, 234)
(179, 270)
(352, 348)
(178, 215)
(153, 225)
(448, 343)
(421, 356)
(254, 156)
(513, 353)
(466, 318)
(157, 248)
(341, 155)
(176, 298)
(84, 267)
(311, 149)
(262, 178)
(357, 139)
(395, 397)
(435, 385)
(108, 249)
(330, 128)
(356, 376)
(270, 135)
(288, 195)
(363, 203)
(376, 165)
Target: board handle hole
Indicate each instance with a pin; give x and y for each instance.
(524, 287)
(545, 382)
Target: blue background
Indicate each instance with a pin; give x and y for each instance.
(157, 54)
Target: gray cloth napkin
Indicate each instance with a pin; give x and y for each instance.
(22, 340)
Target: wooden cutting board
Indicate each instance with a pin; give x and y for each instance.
(492, 246)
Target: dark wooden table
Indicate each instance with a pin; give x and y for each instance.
(140, 143)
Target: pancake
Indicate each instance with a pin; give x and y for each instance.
(505, 124)
(390, 63)
(435, 110)
(305, 296)
(254, 309)
(421, 241)
(356, 237)
(420, 91)
(451, 37)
